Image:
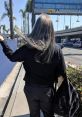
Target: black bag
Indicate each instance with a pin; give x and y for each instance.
(66, 100)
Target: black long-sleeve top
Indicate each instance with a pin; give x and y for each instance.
(37, 73)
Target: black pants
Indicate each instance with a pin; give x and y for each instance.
(39, 98)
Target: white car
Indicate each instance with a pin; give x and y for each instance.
(77, 44)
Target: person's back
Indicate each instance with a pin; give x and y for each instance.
(41, 59)
(40, 73)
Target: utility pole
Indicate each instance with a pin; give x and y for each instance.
(64, 23)
(70, 21)
(33, 14)
(28, 23)
(57, 20)
(11, 20)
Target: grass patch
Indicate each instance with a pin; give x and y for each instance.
(75, 77)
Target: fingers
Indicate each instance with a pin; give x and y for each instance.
(1, 38)
(60, 81)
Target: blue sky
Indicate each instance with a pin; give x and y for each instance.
(17, 5)
(20, 4)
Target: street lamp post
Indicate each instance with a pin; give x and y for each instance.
(70, 21)
(57, 20)
(77, 18)
(64, 23)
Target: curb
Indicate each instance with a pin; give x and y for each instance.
(7, 87)
(72, 65)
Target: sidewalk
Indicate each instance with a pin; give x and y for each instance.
(18, 106)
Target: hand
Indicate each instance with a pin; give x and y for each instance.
(1, 38)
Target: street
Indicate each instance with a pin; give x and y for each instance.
(72, 55)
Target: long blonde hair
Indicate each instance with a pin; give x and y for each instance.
(42, 38)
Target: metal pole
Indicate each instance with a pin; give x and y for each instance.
(70, 21)
(57, 22)
(57, 25)
(64, 23)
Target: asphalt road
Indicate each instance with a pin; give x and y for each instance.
(73, 56)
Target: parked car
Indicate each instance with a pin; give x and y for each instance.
(61, 45)
(68, 44)
(77, 44)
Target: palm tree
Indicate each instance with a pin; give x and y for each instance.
(7, 31)
(7, 8)
(29, 6)
(9, 13)
(23, 12)
(28, 9)
(3, 28)
(1, 17)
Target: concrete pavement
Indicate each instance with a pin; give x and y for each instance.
(18, 106)
(73, 56)
(7, 87)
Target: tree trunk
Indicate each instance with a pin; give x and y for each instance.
(24, 25)
(0, 29)
(28, 23)
(11, 19)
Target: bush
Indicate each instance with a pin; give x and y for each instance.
(75, 77)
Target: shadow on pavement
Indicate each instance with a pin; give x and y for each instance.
(72, 54)
(26, 115)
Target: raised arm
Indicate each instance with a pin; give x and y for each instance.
(18, 55)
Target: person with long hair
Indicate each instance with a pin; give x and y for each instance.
(41, 57)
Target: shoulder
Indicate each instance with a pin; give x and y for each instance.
(58, 52)
(27, 48)
(57, 48)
